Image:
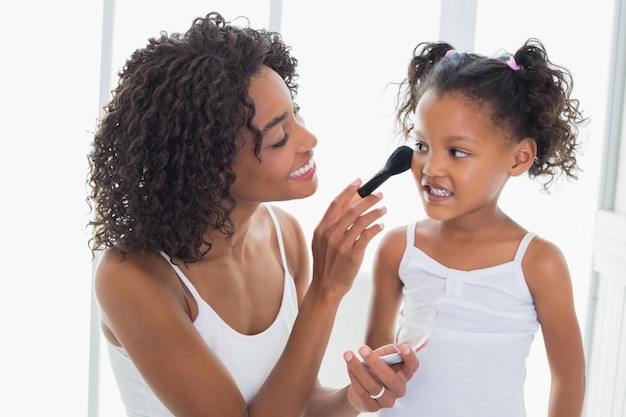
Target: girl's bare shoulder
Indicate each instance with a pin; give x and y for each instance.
(392, 245)
(545, 266)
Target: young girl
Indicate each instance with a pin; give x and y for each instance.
(208, 302)
(476, 121)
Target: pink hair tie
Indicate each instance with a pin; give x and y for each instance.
(512, 64)
(450, 52)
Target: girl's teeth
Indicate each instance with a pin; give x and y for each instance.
(439, 193)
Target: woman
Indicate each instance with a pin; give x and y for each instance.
(206, 297)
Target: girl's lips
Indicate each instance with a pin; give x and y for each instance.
(306, 171)
(439, 192)
(436, 194)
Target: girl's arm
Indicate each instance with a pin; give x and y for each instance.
(386, 289)
(549, 281)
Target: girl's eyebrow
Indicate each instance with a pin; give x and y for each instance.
(465, 142)
(460, 138)
(272, 123)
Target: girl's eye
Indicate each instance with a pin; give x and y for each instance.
(457, 153)
(422, 147)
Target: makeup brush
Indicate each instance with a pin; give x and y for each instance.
(399, 161)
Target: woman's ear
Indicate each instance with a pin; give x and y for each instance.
(525, 153)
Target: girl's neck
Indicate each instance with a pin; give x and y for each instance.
(472, 224)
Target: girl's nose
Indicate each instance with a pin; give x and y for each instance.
(433, 166)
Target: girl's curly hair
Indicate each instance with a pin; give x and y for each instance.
(161, 160)
(527, 96)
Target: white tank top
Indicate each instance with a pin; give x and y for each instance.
(248, 358)
(475, 361)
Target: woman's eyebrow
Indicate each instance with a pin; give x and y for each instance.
(273, 123)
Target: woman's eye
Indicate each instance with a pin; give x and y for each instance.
(457, 153)
(296, 108)
(281, 142)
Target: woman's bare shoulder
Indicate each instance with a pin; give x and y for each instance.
(118, 263)
(133, 275)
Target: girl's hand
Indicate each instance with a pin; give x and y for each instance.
(341, 237)
(378, 385)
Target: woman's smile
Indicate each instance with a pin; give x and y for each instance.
(305, 172)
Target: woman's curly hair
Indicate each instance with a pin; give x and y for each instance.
(527, 97)
(161, 160)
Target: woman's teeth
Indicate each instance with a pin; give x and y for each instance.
(303, 169)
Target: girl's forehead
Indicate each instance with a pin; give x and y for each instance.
(454, 116)
(451, 106)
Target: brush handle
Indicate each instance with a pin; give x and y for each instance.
(369, 187)
(399, 161)
(356, 197)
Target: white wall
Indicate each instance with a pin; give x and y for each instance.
(49, 74)
(348, 54)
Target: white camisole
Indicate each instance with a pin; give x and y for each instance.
(474, 362)
(248, 358)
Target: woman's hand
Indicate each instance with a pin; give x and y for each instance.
(341, 237)
(378, 385)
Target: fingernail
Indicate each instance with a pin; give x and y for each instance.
(356, 182)
(365, 351)
(378, 194)
(347, 356)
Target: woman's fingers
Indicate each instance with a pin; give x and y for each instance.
(363, 386)
(347, 200)
(340, 240)
(409, 364)
(379, 385)
(336, 207)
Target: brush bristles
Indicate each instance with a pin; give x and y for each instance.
(400, 160)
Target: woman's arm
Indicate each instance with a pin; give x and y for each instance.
(338, 247)
(144, 309)
(549, 281)
(355, 398)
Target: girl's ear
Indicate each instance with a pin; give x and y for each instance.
(525, 153)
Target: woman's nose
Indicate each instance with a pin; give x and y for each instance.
(308, 141)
